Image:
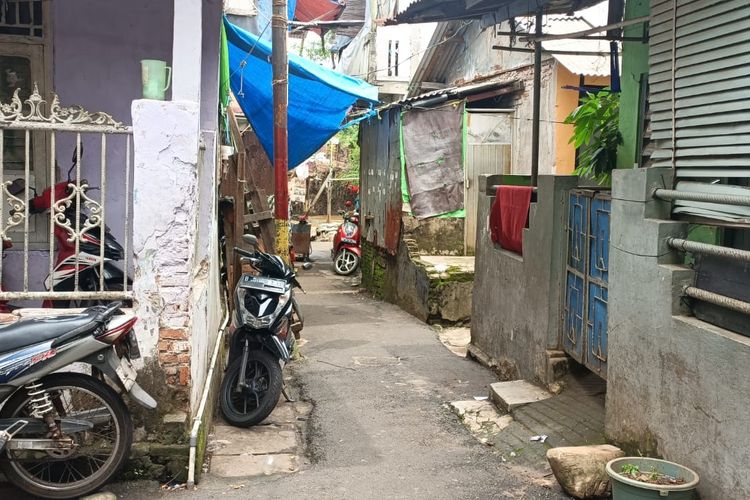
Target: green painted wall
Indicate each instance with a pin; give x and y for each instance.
(634, 63)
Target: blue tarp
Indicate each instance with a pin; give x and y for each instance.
(319, 98)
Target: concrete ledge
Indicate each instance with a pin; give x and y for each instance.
(511, 395)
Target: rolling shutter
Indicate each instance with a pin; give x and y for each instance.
(707, 68)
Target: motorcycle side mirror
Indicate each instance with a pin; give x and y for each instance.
(17, 187)
(250, 239)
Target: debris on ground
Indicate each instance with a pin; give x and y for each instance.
(481, 418)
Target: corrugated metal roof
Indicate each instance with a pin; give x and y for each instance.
(422, 11)
(459, 91)
(589, 65)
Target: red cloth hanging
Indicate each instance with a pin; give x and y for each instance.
(508, 216)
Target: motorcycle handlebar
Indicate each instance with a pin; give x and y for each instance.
(108, 312)
(245, 253)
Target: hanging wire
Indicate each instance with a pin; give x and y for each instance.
(249, 52)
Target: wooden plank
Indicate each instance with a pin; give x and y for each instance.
(249, 155)
(258, 216)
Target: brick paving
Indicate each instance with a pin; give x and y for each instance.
(573, 418)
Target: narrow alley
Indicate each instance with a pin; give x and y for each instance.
(380, 381)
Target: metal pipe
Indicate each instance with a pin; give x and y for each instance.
(52, 211)
(102, 295)
(26, 200)
(198, 420)
(493, 189)
(537, 101)
(573, 36)
(723, 199)
(128, 229)
(708, 249)
(103, 208)
(545, 51)
(716, 299)
(599, 29)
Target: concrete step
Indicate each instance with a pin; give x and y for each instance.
(511, 395)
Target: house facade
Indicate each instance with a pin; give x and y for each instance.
(145, 169)
(675, 384)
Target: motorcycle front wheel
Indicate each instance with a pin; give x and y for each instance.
(99, 453)
(345, 262)
(263, 381)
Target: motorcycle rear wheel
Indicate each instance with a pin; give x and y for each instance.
(63, 474)
(345, 262)
(254, 404)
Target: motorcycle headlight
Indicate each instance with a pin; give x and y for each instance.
(265, 321)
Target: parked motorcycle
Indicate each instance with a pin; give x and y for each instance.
(346, 252)
(64, 434)
(264, 327)
(87, 260)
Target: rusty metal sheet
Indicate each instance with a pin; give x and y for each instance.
(433, 140)
(380, 181)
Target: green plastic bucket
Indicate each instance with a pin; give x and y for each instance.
(624, 488)
(155, 76)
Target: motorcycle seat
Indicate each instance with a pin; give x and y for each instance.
(35, 330)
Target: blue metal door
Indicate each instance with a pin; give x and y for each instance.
(587, 272)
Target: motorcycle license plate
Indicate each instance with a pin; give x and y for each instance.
(348, 240)
(264, 283)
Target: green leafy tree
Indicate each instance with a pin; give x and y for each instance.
(596, 125)
(348, 141)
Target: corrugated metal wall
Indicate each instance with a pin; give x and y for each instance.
(480, 159)
(706, 66)
(380, 181)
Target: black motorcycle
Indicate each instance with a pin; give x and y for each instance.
(264, 329)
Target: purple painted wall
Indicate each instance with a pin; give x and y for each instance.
(98, 47)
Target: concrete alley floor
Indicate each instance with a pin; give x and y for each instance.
(379, 381)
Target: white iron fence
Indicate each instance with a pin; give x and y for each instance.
(87, 262)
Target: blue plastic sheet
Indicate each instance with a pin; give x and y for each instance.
(319, 98)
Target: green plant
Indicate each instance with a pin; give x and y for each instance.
(597, 134)
(630, 470)
(348, 141)
(654, 474)
(317, 51)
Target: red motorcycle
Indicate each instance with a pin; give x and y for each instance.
(87, 263)
(346, 252)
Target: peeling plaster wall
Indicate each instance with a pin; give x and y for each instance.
(517, 300)
(165, 207)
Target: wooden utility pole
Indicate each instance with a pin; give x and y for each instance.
(280, 70)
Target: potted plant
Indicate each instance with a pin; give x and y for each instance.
(640, 478)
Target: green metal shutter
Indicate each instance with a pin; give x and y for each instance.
(708, 68)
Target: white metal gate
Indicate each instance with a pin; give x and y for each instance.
(78, 238)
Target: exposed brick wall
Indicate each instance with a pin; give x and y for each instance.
(174, 356)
